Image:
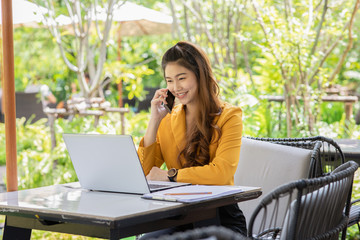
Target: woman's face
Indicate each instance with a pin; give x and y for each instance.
(182, 83)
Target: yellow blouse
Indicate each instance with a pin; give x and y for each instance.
(170, 140)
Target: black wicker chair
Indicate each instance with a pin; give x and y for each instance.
(205, 233)
(314, 211)
(314, 207)
(268, 165)
(331, 156)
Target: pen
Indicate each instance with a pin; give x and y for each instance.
(188, 193)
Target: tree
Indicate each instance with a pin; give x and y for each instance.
(83, 43)
(301, 40)
(213, 25)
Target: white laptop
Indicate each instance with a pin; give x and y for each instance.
(105, 162)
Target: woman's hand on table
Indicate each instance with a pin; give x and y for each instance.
(157, 174)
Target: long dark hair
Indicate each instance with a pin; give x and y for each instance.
(188, 55)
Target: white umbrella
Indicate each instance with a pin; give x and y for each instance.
(27, 13)
(136, 20)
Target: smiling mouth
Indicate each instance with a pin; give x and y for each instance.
(181, 94)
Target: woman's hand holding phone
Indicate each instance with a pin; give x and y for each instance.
(158, 112)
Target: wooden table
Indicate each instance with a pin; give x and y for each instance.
(347, 100)
(69, 209)
(350, 148)
(54, 113)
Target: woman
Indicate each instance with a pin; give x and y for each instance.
(200, 140)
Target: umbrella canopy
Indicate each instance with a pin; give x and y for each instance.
(27, 14)
(136, 20)
(30, 14)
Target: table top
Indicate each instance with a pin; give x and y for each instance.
(74, 203)
(350, 148)
(70, 200)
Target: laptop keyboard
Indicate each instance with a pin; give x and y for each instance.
(157, 186)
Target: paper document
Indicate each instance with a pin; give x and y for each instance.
(193, 193)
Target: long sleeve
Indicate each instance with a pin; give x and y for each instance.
(150, 156)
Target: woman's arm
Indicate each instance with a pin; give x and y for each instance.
(150, 156)
(149, 149)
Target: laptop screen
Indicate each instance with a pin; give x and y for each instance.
(106, 162)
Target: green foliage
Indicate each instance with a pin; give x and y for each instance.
(38, 165)
(270, 64)
(131, 78)
(267, 76)
(38, 61)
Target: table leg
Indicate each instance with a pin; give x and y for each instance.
(122, 122)
(96, 121)
(51, 119)
(348, 110)
(15, 233)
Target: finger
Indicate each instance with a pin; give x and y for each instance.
(160, 92)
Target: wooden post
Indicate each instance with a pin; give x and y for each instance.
(120, 86)
(2, 75)
(348, 110)
(51, 121)
(9, 91)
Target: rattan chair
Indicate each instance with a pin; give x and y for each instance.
(205, 233)
(314, 208)
(268, 165)
(331, 156)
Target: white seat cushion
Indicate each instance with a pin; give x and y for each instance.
(268, 165)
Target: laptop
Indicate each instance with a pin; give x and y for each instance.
(105, 162)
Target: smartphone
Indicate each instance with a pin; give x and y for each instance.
(170, 99)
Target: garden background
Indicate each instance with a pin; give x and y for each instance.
(257, 48)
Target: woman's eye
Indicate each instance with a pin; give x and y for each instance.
(181, 78)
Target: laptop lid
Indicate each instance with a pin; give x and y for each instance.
(106, 162)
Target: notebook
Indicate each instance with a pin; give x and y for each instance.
(195, 193)
(105, 162)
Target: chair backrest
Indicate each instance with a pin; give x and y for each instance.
(28, 105)
(314, 207)
(270, 165)
(330, 157)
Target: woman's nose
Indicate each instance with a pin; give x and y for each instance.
(177, 86)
